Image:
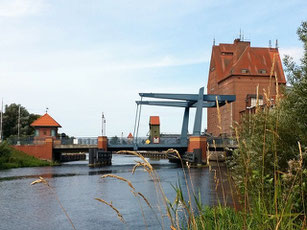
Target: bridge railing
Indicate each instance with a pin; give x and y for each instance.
(78, 141)
(118, 141)
(29, 140)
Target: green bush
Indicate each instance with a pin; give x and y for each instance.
(12, 158)
(269, 165)
(5, 153)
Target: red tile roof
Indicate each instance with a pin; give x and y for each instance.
(130, 135)
(154, 120)
(46, 120)
(231, 59)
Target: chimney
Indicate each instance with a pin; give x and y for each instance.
(239, 47)
(276, 44)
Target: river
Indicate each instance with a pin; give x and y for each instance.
(24, 206)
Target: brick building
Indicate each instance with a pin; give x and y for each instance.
(237, 69)
(45, 126)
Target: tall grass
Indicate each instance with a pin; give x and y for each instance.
(263, 166)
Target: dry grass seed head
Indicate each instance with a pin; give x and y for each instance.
(276, 88)
(266, 98)
(119, 178)
(218, 114)
(208, 156)
(257, 101)
(121, 218)
(144, 198)
(40, 180)
(144, 165)
(143, 158)
(174, 151)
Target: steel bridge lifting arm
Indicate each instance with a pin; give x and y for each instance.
(187, 101)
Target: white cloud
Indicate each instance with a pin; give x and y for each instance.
(18, 8)
(295, 52)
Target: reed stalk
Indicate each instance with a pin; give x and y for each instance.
(42, 180)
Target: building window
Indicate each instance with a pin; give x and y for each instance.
(254, 101)
(45, 133)
(53, 133)
(262, 71)
(36, 132)
(244, 71)
(227, 53)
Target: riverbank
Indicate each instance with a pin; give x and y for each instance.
(12, 158)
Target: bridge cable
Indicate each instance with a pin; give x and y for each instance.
(140, 110)
(135, 121)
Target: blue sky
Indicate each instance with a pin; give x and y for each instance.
(81, 58)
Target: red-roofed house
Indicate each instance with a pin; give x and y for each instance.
(154, 120)
(154, 129)
(237, 69)
(46, 126)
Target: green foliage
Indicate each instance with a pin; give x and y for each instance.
(10, 121)
(269, 165)
(114, 140)
(5, 153)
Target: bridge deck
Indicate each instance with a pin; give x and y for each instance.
(74, 146)
(118, 147)
(147, 147)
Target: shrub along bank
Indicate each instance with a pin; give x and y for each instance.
(269, 167)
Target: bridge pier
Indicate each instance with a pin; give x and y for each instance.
(99, 157)
(102, 143)
(198, 143)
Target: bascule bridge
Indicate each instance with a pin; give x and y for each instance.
(53, 147)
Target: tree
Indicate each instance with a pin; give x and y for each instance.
(295, 104)
(10, 121)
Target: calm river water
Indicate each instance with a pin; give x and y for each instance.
(23, 206)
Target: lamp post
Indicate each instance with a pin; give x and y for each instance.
(103, 128)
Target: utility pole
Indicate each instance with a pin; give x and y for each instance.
(1, 122)
(18, 126)
(103, 128)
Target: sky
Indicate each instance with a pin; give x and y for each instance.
(79, 58)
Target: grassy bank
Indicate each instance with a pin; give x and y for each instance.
(12, 158)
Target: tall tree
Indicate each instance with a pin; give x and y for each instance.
(296, 99)
(10, 121)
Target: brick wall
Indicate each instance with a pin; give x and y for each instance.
(240, 86)
(42, 151)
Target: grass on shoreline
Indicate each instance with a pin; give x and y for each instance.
(12, 158)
